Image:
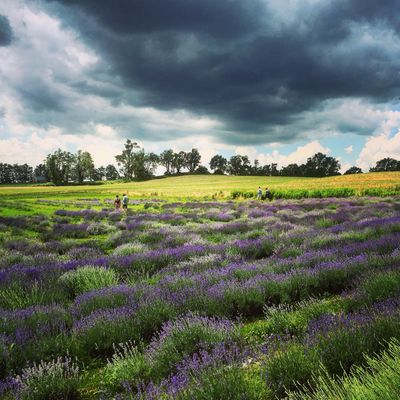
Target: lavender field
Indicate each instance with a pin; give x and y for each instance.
(203, 300)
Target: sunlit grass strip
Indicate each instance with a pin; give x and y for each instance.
(379, 379)
(200, 186)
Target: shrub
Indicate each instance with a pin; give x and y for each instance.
(88, 278)
(97, 333)
(290, 366)
(54, 380)
(378, 379)
(182, 338)
(99, 228)
(381, 286)
(253, 248)
(130, 248)
(109, 297)
(127, 364)
(227, 382)
(345, 348)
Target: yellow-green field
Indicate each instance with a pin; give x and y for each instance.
(200, 186)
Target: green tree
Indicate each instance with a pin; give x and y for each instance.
(23, 173)
(239, 165)
(218, 164)
(291, 170)
(353, 170)
(166, 159)
(386, 164)
(6, 173)
(83, 166)
(41, 171)
(144, 164)
(320, 165)
(202, 170)
(178, 162)
(59, 165)
(98, 174)
(126, 160)
(111, 172)
(193, 159)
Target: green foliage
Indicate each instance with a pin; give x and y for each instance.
(181, 342)
(88, 278)
(99, 228)
(54, 380)
(17, 296)
(379, 379)
(292, 364)
(345, 348)
(292, 319)
(98, 337)
(380, 286)
(227, 382)
(127, 364)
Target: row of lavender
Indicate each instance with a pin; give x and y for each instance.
(195, 293)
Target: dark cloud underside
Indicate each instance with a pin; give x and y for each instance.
(5, 31)
(238, 60)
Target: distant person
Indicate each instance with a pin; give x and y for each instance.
(125, 201)
(117, 203)
(268, 195)
(259, 193)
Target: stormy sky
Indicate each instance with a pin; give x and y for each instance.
(277, 80)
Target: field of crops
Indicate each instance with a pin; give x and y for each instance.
(217, 186)
(295, 299)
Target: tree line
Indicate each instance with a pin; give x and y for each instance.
(63, 167)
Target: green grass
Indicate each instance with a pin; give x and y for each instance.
(379, 379)
(27, 199)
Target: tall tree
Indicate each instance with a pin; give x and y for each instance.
(274, 169)
(126, 160)
(98, 174)
(111, 173)
(83, 166)
(218, 164)
(239, 165)
(386, 164)
(23, 173)
(193, 159)
(353, 170)
(320, 165)
(41, 171)
(151, 163)
(291, 170)
(6, 173)
(266, 170)
(178, 162)
(144, 164)
(59, 165)
(166, 160)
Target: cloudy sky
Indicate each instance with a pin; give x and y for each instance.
(276, 80)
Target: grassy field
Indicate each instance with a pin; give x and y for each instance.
(205, 186)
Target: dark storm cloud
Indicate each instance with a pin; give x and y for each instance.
(38, 97)
(5, 31)
(238, 60)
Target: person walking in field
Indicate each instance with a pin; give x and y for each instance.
(117, 203)
(259, 193)
(125, 201)
(268, 195)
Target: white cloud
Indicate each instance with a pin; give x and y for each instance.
(344, 165)
(34, 148)
(349, 149)
(298, 156)
(378, 147)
